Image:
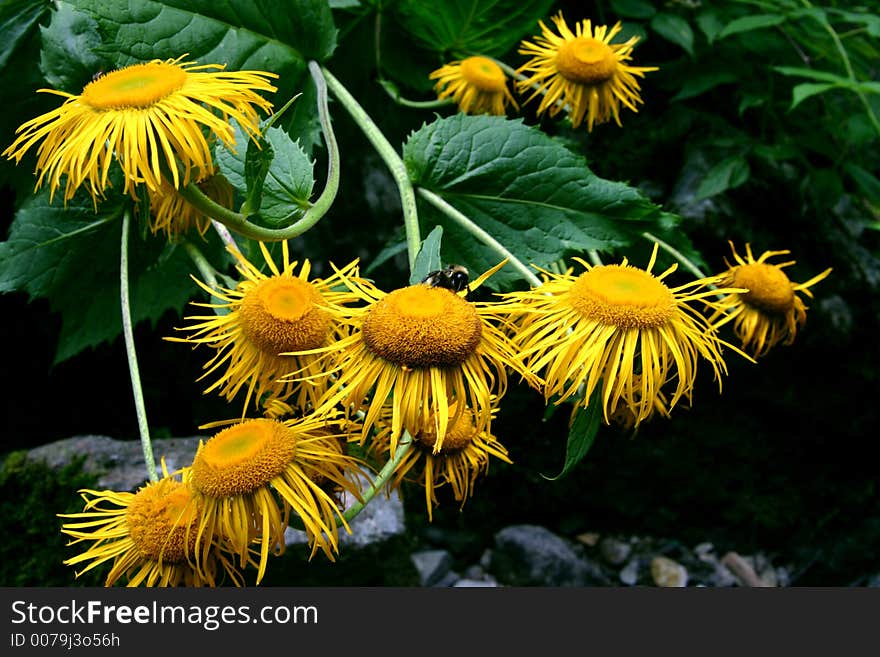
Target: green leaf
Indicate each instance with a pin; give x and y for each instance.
(869, 20)
(675, 29)
(282, 194)
(727, 174)
(534, 196)
(19, 19)
(710, 24)
(581, 435)
(470, 27)
(70, 256)
(812, 74)
(803, 91)
(866, 182)
(749, 23)
(701, 82)
(71, 46)
(428, 257)
(633, 8)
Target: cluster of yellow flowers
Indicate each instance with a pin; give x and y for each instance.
(580, 72)
(416, 375)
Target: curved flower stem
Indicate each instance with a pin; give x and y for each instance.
(593, 255)
(128, 333)
(675, 253)
(467, 223)
(241, 225)
(403, 447)
(392, 160)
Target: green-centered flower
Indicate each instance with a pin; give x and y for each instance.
(150, 118)
(476, 84)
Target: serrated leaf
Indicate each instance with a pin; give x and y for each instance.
(581, 435)
(530, 193)
(469, 27)
(633, 8)
(69, 57)
(428, 257)
(727, 174)
(70, 256)
(19, 19)
(675, 29)
(288, 182)
(749, 23)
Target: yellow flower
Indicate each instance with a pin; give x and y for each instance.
(617, 330)
(149, 536)
(424, 350)
(476, 84)
(173, 215)
(265, 315)
(147, 117)
(463, 457)
(770, 312)
(249, 477)
(582, 72)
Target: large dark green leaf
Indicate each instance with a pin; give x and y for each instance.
(469, 27)
(533, 195)
(19, 19)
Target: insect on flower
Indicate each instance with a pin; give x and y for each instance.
(451, 277)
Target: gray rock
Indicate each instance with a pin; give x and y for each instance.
(530, 555)
(476, 583)
(432, 565)
(614, 551)
(667, 572)
(630, 573)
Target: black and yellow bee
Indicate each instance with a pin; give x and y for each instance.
(451, 277)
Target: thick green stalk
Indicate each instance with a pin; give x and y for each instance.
(131, 354)
(392, 160)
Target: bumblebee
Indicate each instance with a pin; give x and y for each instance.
(451, 277)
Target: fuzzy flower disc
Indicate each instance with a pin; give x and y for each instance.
(768, 287)
(161, 521)
(242, 458)
(622, 296)
(422, 326)
(483, 74)
(282, 314)
(586, 60)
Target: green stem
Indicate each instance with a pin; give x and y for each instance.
(392, 160)
(403, 447)
(240, 224)
(675, 253)
(593, 255)
(131, 354)
(465, 222)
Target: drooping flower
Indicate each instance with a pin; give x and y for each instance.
(251, 475)
(581, 72)
(476, 84)
(464, 456)
(770, 312)
(173, 215)
(424, 350)
(149, 536)
(150, 118)
(266, 315)
(618, 331)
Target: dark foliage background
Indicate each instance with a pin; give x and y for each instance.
(783, 460)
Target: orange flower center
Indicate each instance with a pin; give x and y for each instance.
(483, 73)
(586, 60)
(769, 288)
(281, 314)
(163, 521)
(422, 326)
(138, 86)
(622, 296)
(459, 434)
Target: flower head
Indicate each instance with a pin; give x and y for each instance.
(151, 118)
(463, 457)
(476, 84)
(581, 71)
(249, 477)
(425, 351)
(770, 312)
(174, 215)
(266, 315)
(149, 536)
(618, 331)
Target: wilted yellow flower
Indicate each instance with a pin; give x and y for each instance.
(174, 215)
(476, 84)
(149, 536)
(581, 72)
(266, 315)
(618, 331)
(151, 118)
(770, 312)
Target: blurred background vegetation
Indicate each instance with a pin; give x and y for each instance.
(760, 126)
